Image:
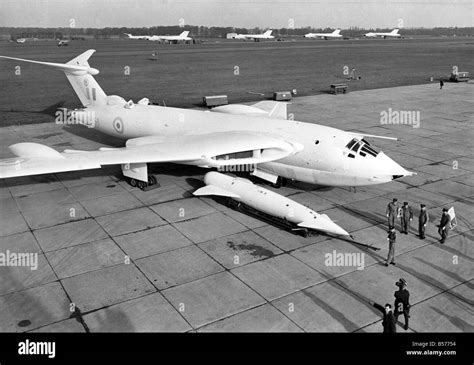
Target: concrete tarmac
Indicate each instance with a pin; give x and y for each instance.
(162, 260)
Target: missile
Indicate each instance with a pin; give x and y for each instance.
(268, 202)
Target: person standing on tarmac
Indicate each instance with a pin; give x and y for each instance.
(444, 226)
(406, 217)
(392, 238)
(391, 213)
(388, 322)
(423, 219)
(402, 297)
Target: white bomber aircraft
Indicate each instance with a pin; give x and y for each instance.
(256, 37)
(240, 135)
(392, 34)
(164, 38)
(140, 37)
(325, 36)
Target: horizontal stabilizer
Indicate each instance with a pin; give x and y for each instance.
(79, 65)
(214, 190)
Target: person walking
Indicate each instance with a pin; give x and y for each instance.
(402, 301)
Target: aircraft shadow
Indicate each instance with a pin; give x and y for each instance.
(50, 110)
(92, 135)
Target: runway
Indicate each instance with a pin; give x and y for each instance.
(163, 260)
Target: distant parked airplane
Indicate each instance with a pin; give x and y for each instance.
(255, 37)
(392, 34)
(20, 40)
(335, 34)
(146, 37)
(163, 38)
(183, 37)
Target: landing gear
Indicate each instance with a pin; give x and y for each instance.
(281, 181)
(152, 180)
(143, 184)
(233, 204)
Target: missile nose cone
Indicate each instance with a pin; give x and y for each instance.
(329, 226)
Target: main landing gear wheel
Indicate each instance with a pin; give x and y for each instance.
(143, 184)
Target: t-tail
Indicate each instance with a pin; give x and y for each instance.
(80, 75)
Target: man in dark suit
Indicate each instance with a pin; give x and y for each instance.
(444, 226)
(423, 219)
(388, 322)
(402, 301)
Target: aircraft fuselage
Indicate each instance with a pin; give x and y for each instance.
(324, 160)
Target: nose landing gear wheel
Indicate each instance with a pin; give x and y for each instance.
(152, 180)
(133, 182)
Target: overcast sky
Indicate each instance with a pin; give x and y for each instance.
(239, 13)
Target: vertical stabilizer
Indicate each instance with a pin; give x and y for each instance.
(84, 84)
(80, 75)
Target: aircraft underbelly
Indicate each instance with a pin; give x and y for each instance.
(313, 176)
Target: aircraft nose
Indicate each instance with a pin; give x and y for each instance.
(389, 169)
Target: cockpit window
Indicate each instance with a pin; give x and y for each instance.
(351, 143)
(355, 148)
(362, 146)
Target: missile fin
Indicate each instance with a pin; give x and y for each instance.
(214, 190)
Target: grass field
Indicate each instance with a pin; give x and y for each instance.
(182, 74)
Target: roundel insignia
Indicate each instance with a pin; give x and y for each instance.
(118, 125)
